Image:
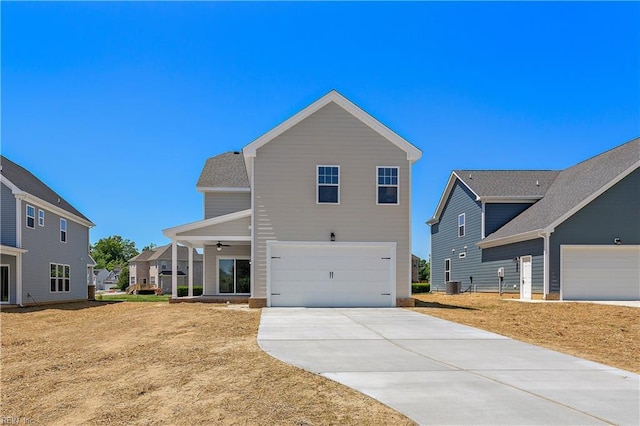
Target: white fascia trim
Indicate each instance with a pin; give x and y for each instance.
(592, 197)
(523, 199)
(189, 240)
(221, 189)
(10, 185)
(171, 232)
(413, 153)
(525, 236)
(32, 199)
(445, 196)
(11, 251)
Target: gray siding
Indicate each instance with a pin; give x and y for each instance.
(284, 194)
(11, 262)
(503, 257)
(497, 214)
(444, 238)
(616, 213)
(44, 247)
(221, 203)
(210, 264)
(8, 216)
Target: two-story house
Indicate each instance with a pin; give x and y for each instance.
(44, 251)
(315, 212)
(572, 234)
(154, 267)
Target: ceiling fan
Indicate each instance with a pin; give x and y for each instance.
(220, 245)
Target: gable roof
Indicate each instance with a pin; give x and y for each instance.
(164, 253)
(572, 189)
(224, 172)
(413, 153)
(27, 182)
(498, 186)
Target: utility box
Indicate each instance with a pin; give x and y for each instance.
(453, 287)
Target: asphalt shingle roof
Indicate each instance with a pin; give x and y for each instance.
(571, 187)
(224, 171)
(508, 183)
(29, 183)
(164, 253)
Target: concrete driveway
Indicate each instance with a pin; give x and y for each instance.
(438, 372)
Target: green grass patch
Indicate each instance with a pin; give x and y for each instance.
(134, 297)
(420, 288)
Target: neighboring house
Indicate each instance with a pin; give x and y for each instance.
(44, 252)
(415, 268)
(154, 267)
(572, 234)
(112, 278)
(316, 212)
(99, 275)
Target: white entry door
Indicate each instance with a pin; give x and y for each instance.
(525, 277)
(331, 274)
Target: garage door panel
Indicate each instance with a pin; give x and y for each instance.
(331, 275)
(600, 272)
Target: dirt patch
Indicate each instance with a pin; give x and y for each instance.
(160, 363)
(601, 333)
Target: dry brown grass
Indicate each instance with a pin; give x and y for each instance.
(601, 333)
(160, 363)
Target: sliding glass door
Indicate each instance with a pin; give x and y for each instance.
(234, 276)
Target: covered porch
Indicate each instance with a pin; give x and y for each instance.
(225, 242)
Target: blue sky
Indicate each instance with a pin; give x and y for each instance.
(116, 106)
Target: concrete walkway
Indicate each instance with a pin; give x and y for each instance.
(442, 373)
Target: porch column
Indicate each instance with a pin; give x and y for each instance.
(190, 271)
(174, 269)
(19, 279)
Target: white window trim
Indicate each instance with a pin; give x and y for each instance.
(327, 184)
(464, 225)
(50, 277)
(447, 271)
(397, 203)
(27, 216)
(8, 283)
(40, 217)
(234, 258)
(66, 233)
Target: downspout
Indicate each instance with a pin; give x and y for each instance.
(545, 264)
(19, 198)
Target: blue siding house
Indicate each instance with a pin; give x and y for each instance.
(572, 234)
(44, 242)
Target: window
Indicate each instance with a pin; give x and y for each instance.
(31, 217)
(60, 278)
(163, 265)
(4, 283)
(63, 230)
(40, 217)
(153, 280)
(447, 270)
(328, 190)
(387, 185)
(461, 225)
(234, 276)
(133, 280)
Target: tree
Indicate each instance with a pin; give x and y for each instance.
(424, 273)
(149, 247)
(113, 251)
(123, 278)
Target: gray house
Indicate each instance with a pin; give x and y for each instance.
(572, 234)
(315, 212)
(154, 267)
(44, 251)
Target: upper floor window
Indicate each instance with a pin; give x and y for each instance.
(31, 217)
(461, 221)
(60, 277)
(40, 217)
(63, 230)
(328, 190)
(387, 185)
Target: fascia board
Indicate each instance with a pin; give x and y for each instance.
(222, 189)
(592, 197)
(445, 196)
(12, 251)
(522, 199)
(413, 153)
(529, 235)
(14, 189)
(32, 199)
(172, 232)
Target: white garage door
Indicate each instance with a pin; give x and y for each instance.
(600, 272)
(331, 275)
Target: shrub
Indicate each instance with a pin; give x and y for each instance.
(183, 290)
(420, 288)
